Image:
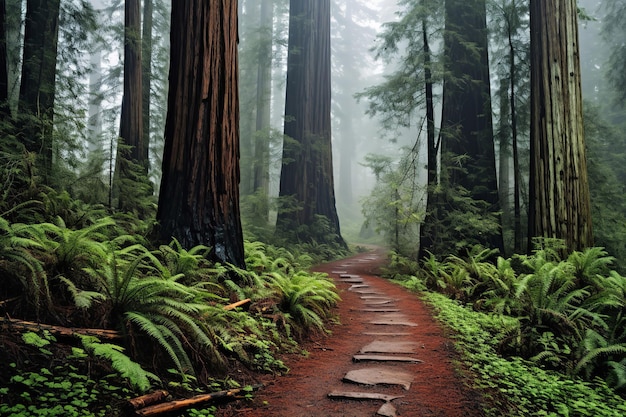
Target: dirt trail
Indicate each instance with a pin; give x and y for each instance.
(373, 313)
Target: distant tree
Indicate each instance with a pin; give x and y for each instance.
(429, 227)
(351, 65)
(5, 111)
(260, 182)
(146, 77)
(615, 30)
(559, 192)
(199, 198)
(38, 86)
(307, 170)
(468, 154)
(510, 26)
(131, 160)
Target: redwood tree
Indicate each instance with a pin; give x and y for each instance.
(468, 155)
(130, 150)
(307, 170)
(5, 111)
(37, 88)
(559, 192)
(199, 199)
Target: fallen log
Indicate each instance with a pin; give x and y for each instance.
(9, 323)
(237, 304)
(176, 405)
(148, 399)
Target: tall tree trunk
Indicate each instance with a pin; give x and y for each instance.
(517, 177)
(504, 157)
(263, 110)
(13, 26)
(307, 171)
(248, 79)
(559, 192)
(199, 198)
(37, 89)
(429, 228)
(5, 110)
(466, 116)
(130, 150)
(131, 124)
(146, 62)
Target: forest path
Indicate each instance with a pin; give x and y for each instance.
(387, 344)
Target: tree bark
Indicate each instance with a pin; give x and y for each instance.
(5, 111)
(261, 174)
(199, 199)
(37, 89)
(430, 225)
(146, 62)
(559, 192)
(307, 171)
(504, 158)
(466, 125)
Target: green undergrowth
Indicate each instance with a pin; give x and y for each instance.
(165, 305)
(513, 384)
(540, 334)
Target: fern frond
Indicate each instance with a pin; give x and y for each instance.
(124, 365)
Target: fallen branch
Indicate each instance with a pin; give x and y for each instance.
(8, 324)
(175, 405)
(237, 304)
(148, 399)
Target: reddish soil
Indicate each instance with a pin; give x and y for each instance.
(437, 388)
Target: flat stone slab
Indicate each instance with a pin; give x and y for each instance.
(376, 376)
(392, 321)
(391, 334)
(374, 297)
(387, 410)
(352, 280)
(346, 275)
(339, 272)
(385, 358)
(381, 346)
(379, 302)
(357, 286)
(366, 291)
(354, 395)
(379, 310)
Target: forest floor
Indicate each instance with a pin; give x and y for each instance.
(376, 317)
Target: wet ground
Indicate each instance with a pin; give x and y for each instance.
(387, 357)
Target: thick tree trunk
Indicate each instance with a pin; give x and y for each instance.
(37, 89)
(559, 192)
(131, 124)
(307, 171)
(466, 123)
(130, 148)
(199, 199)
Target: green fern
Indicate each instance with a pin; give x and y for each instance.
(139, 378)
(305, 299)
(18, 261)
(142, 292)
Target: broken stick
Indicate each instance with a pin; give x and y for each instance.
(175, 405)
